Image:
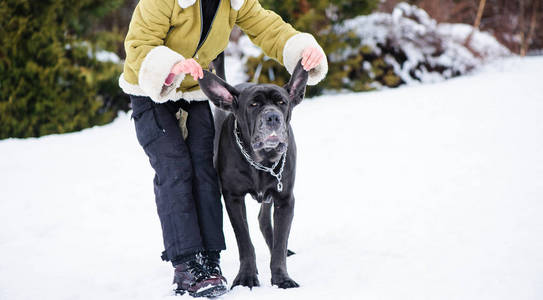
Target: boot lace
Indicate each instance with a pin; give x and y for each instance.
(197, 270)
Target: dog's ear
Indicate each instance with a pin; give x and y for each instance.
(222, 94)
(296, 85)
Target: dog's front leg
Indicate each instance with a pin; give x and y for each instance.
(247, 275)
(264, 220)
(282, 219)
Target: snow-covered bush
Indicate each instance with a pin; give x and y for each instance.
(385, 50)
(409, 46)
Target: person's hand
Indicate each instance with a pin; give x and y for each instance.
(311, 57)
(187, 66)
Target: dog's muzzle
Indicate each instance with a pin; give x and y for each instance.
(270, 131)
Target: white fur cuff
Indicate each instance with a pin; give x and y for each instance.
(155, 69)
(130, 89)
(292, 53)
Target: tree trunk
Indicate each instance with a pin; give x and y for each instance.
(480, 11)
(522, 33)
(533, 22)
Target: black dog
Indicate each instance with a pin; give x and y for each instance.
(257, 155)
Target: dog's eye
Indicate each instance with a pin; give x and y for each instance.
(254, 104)
(281, 102)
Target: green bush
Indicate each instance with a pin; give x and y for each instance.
(354, 76)
(50, 79)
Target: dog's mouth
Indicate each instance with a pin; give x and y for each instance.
(270, 142)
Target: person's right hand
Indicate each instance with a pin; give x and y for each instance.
(188, 66)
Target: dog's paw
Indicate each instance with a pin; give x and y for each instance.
(248, 279)
(284, 282)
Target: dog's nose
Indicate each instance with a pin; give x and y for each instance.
(272, 119)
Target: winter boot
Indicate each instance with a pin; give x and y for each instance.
(192, 277)
(211, 263)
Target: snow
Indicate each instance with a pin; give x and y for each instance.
(423, 192)
(107, 56)
(237, 54)
(100, 54)
(243, 48)
(234, 69)
(482, 42)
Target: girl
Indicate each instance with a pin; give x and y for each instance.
(166, 40)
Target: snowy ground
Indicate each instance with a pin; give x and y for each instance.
(424, 192)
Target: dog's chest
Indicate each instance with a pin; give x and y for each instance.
(261, 189)
(247, 180)
(262, 197)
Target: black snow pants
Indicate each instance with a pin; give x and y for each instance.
(186, 183)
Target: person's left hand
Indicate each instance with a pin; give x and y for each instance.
(311, 57)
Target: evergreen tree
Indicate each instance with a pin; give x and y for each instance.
(50, 79)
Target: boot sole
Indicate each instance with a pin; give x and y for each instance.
(212, 292)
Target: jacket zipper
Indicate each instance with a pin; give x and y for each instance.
(202, 26)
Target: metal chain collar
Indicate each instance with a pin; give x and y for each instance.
(259, 166)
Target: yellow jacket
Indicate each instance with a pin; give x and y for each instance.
(165, 32)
